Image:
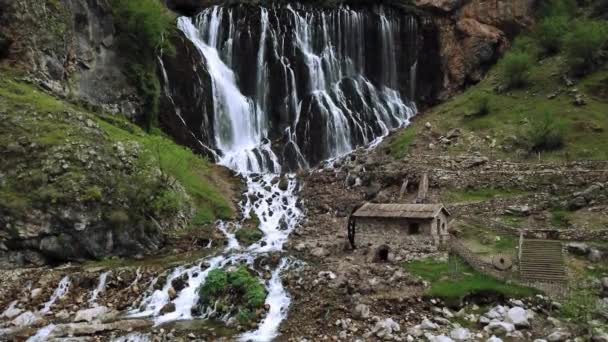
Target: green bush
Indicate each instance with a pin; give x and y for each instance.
(514, 69)
(167, 202)
(544, 134)
(481, 105)
(526, 44)
(550, 33)
(146, 27)
(239, 286)
(584, 45)
(557, 8)
(215, 285)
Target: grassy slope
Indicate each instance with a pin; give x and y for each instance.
(60, 129)
(454, 280)
(586, 127)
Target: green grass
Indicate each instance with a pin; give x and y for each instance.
(248, 235)
(401, 144)
(559, 218)
(479, 195)
(59, 130)
(585, 128)
(454, 280)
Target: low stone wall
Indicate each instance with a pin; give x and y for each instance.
(476, 262)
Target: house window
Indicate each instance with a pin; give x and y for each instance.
(414, 228)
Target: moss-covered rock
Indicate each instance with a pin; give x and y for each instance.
(75, 185)
(237, 292)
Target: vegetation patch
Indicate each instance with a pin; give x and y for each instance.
(146, 28)
(400, 144)
(480, 194)
(238, 293)
(453, 280)
(59, 156)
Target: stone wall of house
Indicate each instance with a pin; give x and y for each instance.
(375, 234)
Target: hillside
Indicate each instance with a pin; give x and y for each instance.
(77, 185)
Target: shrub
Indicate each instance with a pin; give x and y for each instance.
(544, 134)
(526, 44)
(481, 105)
(556, 8)
(584, 45)
(215, 285)
(248, 286)
(515, 67)
(167, 203)
(550, 32)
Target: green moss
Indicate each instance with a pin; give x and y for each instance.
(240, 288)
(454, 280)
(247, 236)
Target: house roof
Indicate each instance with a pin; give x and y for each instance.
(416, 211)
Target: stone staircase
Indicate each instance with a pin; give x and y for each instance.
(542, 261)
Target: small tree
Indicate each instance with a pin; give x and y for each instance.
(550, 32)
(584, 45)
(545, 133)
(515, 67)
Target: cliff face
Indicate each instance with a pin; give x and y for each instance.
(474, 34)
(68, 46)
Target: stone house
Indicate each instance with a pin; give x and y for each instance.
(390, 228)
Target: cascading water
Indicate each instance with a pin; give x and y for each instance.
(298, 85)
(60, 291)
(308, 80)
(101, 285)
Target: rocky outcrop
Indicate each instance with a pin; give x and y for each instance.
(186, 109)
(473, 35)
(69, 46)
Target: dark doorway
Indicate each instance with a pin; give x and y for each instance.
(383, 253)
(414, 229)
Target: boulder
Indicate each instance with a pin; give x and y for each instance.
(428, 325)
(578, 248)
(27, 319)
(558, 335)
(594, 255)
(170, 307)
(499, 328)
(518, 316)
(518, 210)
(494, 339)
(98, 313)
(361, 311)
(386, 327)
(440, 5)
(460, 334)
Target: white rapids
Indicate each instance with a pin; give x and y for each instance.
(278, 215)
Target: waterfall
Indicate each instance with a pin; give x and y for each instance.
(293, 85)
(60, 291)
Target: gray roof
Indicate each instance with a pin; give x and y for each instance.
(416, 211)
